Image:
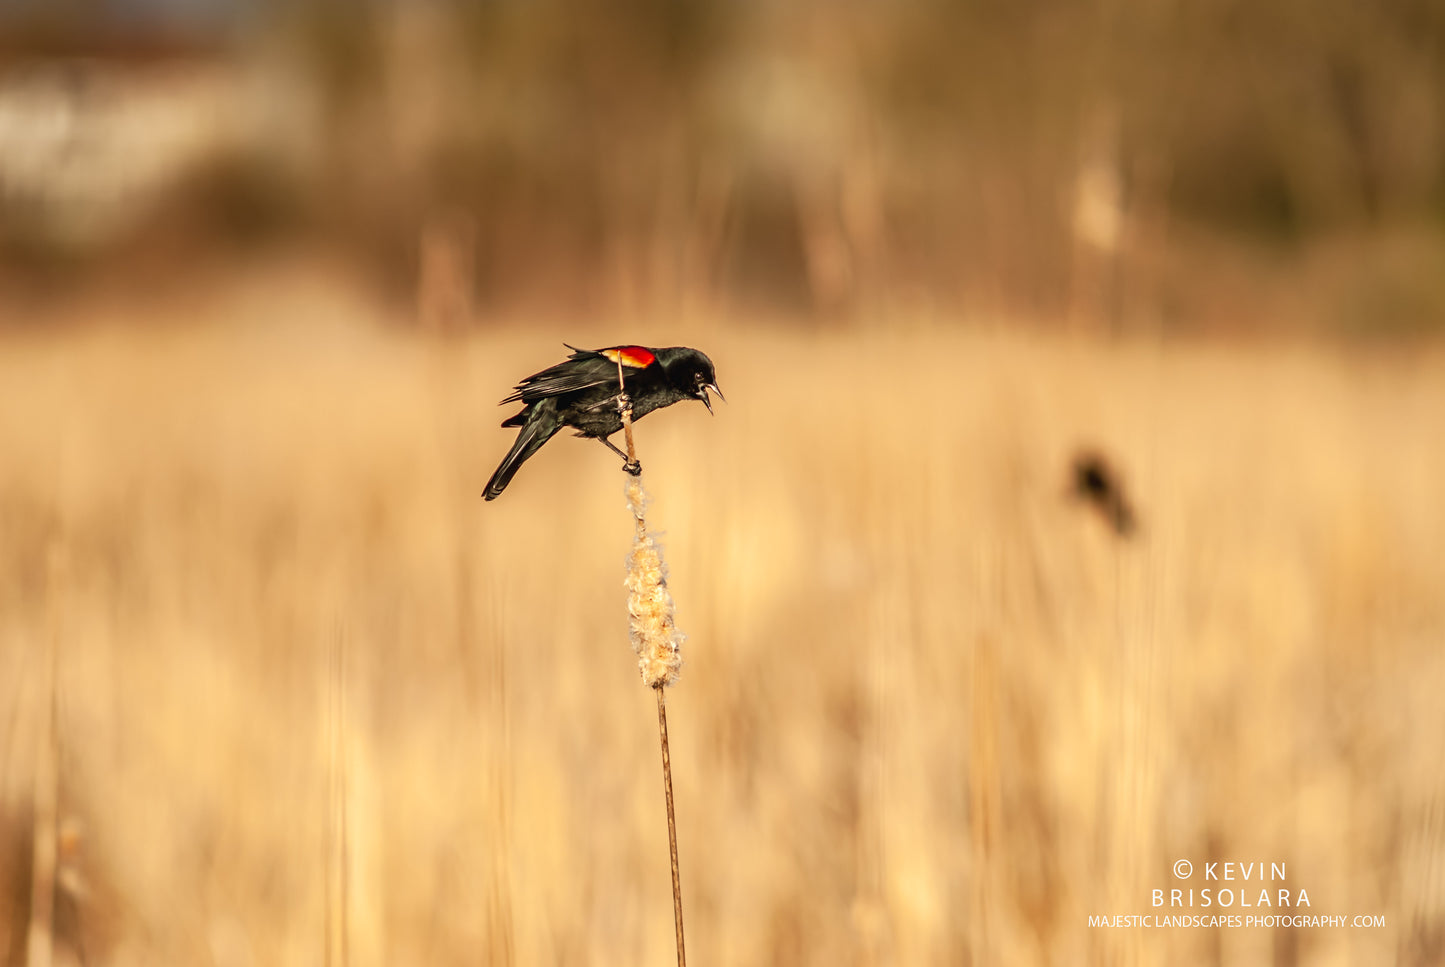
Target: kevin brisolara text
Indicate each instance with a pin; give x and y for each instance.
(1222, 920)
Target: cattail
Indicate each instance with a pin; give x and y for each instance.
(655, 637)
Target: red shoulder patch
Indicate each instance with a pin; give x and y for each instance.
(636, 357)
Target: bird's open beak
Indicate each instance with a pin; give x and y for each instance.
(702, 391)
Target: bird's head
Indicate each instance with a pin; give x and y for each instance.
(691, 373)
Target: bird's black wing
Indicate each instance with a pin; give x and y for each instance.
(584, 369)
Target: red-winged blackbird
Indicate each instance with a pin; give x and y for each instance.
(582, 392)
(1096, 483)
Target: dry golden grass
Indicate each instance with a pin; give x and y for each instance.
(933, 712)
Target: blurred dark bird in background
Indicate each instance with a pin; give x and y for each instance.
(1098, 484)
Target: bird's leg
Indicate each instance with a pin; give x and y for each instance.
(612, 446)
(624, 409)
(631, 466)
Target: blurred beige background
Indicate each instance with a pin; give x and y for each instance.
(277, 687)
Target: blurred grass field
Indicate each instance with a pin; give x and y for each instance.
(932, 712)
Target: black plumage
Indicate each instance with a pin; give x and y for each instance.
(1096, 482)
(582, 392)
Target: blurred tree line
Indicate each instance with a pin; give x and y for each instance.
(1104, 159)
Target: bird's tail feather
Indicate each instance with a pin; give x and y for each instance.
(542, 423)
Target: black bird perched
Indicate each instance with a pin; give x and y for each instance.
(582, 392)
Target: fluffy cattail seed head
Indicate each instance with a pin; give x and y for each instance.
(655, 637)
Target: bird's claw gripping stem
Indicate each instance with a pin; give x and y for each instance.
(624, 403)
(633, 467)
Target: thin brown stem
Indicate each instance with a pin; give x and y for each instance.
(671, 825)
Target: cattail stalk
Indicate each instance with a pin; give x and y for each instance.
(655, 637)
